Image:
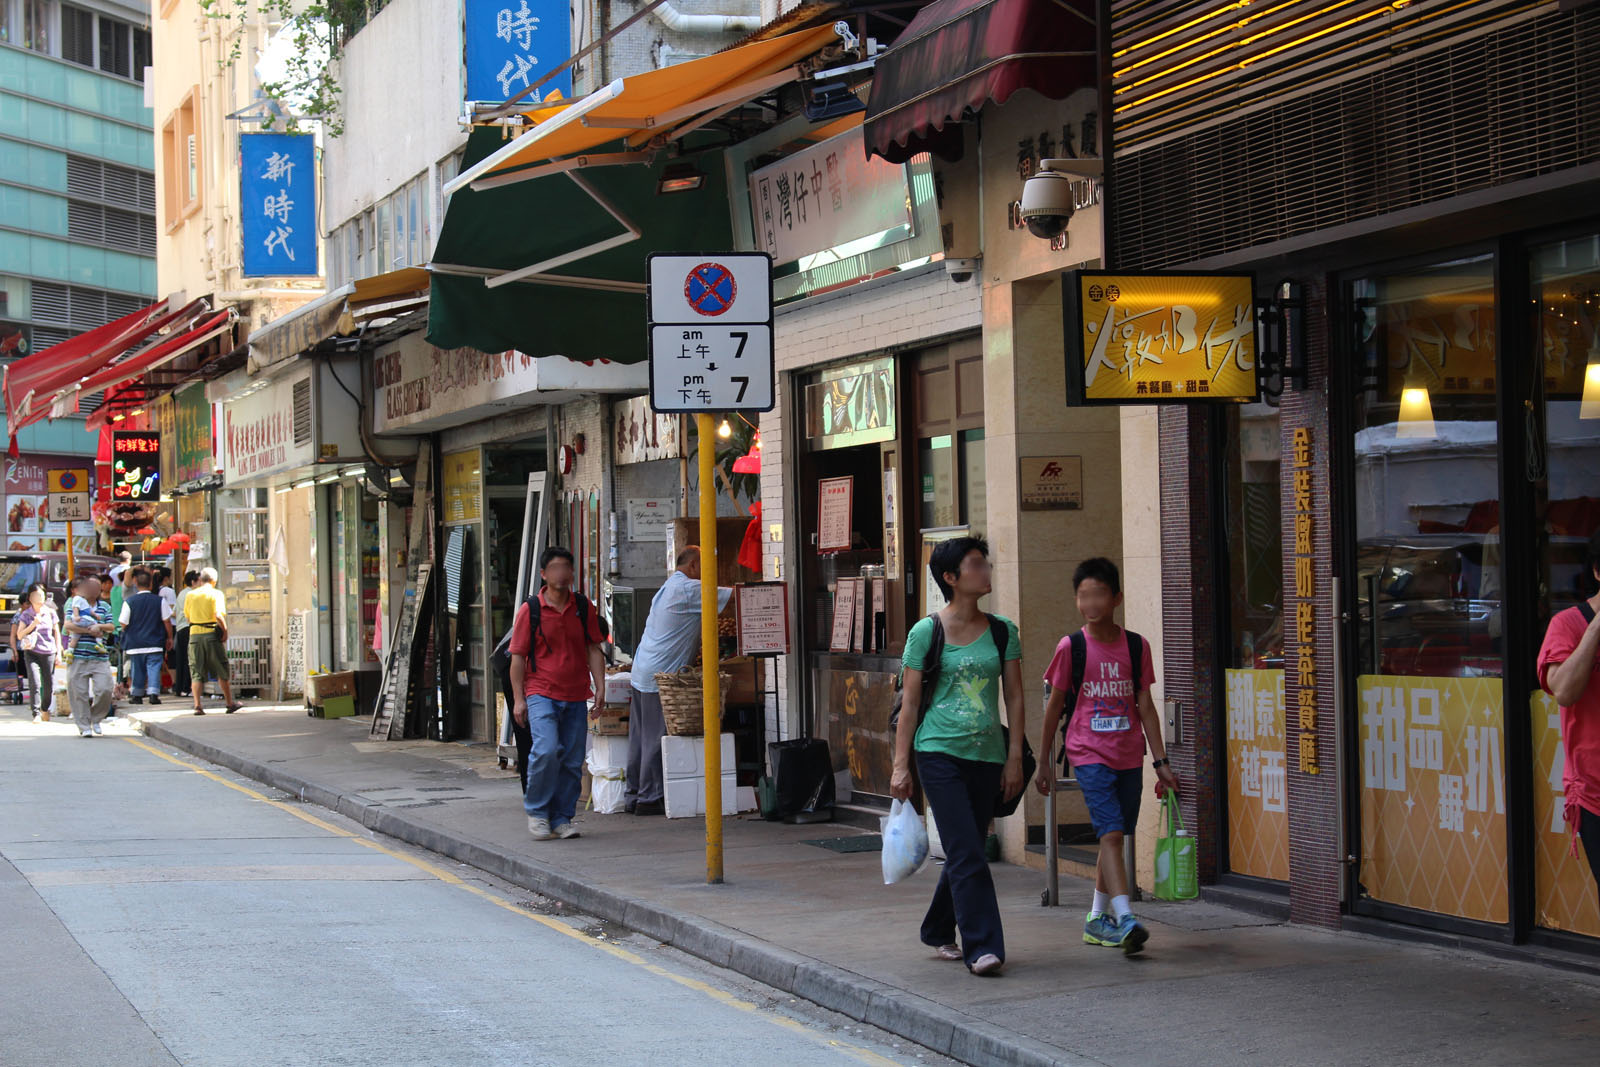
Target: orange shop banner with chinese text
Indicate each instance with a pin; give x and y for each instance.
(1258, 819)
(1158, 337)
(1564, 890)
(1433, 807)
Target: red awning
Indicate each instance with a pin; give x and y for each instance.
(959, 54)
(49, 369)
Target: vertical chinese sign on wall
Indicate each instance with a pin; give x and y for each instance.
(278, 204)
(511, 44)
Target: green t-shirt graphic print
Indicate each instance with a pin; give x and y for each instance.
(964, 718)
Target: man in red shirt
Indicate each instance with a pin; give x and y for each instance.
(566, 659)
(1569, 670)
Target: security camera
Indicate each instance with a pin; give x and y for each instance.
(962, 270)
(1049, 197)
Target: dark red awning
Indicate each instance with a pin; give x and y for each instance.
(958, 55)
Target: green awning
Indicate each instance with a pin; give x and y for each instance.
(589, 308)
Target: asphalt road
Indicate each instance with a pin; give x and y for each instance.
(156, 910)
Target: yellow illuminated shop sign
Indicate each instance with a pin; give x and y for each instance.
(1158, 338)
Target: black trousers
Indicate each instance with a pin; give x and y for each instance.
(1589, 834)
(962, 793)
(180, 669)
(39, 669)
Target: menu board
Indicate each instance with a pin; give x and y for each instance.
(844, 614)
(761, 610)
(834, 501)
(863, 632)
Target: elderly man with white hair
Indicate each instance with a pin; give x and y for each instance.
(207, 611)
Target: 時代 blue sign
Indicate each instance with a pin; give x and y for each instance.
(278, 204)
(511, 44)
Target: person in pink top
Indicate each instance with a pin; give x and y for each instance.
(1569, 670)
(1107, 672)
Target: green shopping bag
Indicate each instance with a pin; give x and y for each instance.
(1177, 870)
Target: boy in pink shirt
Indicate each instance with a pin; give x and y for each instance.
(1112, 719)
(1569, 670)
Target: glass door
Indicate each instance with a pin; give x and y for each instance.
(1428, 698)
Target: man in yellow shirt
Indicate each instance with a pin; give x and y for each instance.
(207, 611)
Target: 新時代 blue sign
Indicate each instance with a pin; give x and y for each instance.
(278, 204)
(511, 44)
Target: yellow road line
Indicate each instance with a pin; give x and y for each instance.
(616, 951)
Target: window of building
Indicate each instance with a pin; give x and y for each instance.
(77, 35)
(180, 154)
(116, 47)
(38, 25)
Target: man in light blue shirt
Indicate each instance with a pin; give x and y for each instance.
(671, 634)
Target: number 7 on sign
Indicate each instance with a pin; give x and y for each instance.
(744, 383)
(743, 340)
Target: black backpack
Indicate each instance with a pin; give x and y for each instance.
(1080, 660)
(500, 658)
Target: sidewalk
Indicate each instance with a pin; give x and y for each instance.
(1215, 985)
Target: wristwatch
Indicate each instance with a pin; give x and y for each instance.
(1160, 763)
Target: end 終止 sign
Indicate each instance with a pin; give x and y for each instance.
(70, 495)
(1158, 338)
(711, 333)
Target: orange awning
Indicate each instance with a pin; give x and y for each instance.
(661, 103)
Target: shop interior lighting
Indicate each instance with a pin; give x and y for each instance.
(1416, 416)
(1590, 407)
(679, 177)
(328, 479)
(724, 431)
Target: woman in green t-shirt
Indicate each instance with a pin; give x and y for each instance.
(963, 759)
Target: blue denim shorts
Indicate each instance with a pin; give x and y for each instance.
(1112, 796)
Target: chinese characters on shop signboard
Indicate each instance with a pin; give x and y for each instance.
(511, 44)
(278, 204)
(825, 196)
(1160, 338)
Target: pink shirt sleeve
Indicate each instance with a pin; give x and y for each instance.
(1563, 635)
(1059, 673)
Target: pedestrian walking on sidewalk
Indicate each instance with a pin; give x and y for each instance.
(552, 666)
(38, 636)
(146, 632)
(180, 629)
(207, 610)
(671, 635)
(1106, 671)
(1569, 670)
(964, 758)
(89, 679)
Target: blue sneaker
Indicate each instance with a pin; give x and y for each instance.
(1098, 929)
(1130, 935)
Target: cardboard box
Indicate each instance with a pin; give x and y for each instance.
(609, 720)
(619, 688)
(319, 687)
(686, 797)
(685, 757)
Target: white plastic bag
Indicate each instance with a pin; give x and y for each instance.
(905, 842)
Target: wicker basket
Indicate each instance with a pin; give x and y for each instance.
(683, 700)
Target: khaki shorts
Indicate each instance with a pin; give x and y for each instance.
(207, 657)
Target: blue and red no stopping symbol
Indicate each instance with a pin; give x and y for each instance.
(69, 481)
(710, 289)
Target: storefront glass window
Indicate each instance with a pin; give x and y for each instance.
(1565, 286)
(974, 482)
(1428, 588)
(938, 456)
(1258, 825)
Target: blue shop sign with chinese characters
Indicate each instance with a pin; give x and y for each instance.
(511, 44)
(278, 203)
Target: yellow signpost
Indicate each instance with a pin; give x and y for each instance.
(1160, 338)
(708, 646)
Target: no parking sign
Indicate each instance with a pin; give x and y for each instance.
(711, 333)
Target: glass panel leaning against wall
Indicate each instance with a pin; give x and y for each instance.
(1428, 587)
(1565, 286)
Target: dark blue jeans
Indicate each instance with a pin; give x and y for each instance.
(555, 762)
(962, 793)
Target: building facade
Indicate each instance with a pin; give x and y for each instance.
(77, 212)
(1357, 571)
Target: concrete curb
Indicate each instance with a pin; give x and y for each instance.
(867, 1000)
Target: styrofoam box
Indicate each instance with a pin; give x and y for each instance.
(686, 797)
(685, 757)
(746, 798)
(618, 688)
(609, 752)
